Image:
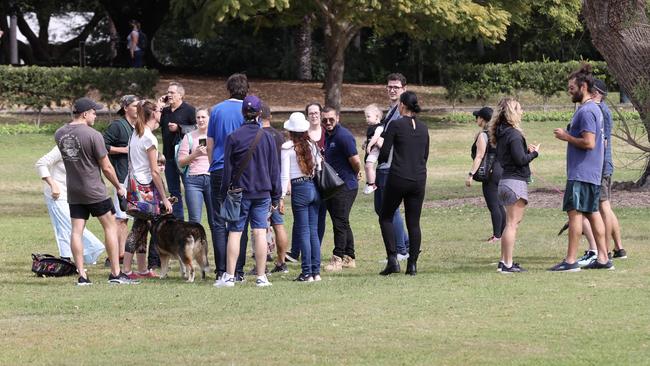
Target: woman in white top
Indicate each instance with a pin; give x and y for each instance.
(193, 155)
(52, 171)
(300, 160)
(143, 164)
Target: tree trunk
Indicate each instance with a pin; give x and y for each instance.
(304, 48)
(338, 36)
(620, 31)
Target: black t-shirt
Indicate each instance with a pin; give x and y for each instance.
(185, 115)
(277, 136)
(410, 148)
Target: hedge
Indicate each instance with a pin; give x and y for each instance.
(545, 78)
(36, 87)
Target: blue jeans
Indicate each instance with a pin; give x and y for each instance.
(174, 186)
(60, 216)
(322, 215)
(198, 193)
(305, 204)
(401, 239)
(219, 231)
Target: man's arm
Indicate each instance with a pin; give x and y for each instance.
(355, 162)
(586, 141)
(210, 146)
(109, 173)
(111, 137)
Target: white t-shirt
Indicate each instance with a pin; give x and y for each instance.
(138, 157)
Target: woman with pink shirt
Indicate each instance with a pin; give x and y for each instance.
(192, 153)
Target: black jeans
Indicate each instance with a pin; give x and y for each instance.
(339, 208)
(412, 192)
(497, 212)
(220, 232)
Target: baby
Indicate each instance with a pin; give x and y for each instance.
(373, 134)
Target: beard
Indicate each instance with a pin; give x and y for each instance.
(577, 96)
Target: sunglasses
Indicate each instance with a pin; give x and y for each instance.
(326, 120)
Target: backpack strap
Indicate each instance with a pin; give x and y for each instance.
(249, 155)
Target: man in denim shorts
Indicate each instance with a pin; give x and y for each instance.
(84, 155)
(585, 156)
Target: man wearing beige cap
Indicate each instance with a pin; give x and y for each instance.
(116, 139)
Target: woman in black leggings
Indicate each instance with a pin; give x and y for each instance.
(480, 149)
(408, 138)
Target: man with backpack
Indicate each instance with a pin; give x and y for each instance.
(136, 43)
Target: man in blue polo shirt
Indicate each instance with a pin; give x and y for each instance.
(225, 118)
(341, 154)
(585, 156)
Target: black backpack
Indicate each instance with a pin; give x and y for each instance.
(142, 40)
(45, 265)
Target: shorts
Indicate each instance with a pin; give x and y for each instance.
(512, 190)
(581, 196)
(276, 217)
(256, 211)
(606, 188)
(373, 156)
(83, 211)
(119, 214)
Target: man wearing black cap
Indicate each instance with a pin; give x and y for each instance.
(116, 139)
(84, 154)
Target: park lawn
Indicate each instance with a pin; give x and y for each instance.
(457, 311)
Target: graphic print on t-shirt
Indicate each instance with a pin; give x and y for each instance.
(70, 147)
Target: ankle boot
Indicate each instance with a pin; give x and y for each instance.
(411, 267)
(391, 267)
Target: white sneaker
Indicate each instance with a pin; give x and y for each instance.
(402, 257)
(369, 189)
(262, 281)
(226, 280)
(589, 256)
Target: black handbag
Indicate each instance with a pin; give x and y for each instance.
(327, 181)
(231, 205)
(484, 171)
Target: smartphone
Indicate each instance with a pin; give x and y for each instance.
(203, 142)
(166, 99)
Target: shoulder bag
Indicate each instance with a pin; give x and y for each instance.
(484, 171)
(327, 180)
(231, 205)
(143, 200)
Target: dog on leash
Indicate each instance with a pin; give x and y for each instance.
(185, 241)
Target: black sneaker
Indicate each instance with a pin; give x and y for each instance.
(291, 258)
(500, 266)
(239, 277)
(620, 253)
(253, 271)
(565, 267)
(515, 268)
(280, 268)
(304, 278)
(121, 279)
(82, 281)
(597, 265)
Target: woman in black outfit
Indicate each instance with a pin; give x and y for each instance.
(409, 139)
(480, 149)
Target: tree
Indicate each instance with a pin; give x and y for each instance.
(620, 30)
(38, 49)
(341, 20)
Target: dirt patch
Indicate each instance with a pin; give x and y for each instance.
(551, 199)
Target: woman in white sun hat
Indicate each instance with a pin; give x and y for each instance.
(300, 160)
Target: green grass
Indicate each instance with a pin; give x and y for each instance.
(457, 311)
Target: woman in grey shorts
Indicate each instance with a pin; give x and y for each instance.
(514, 155)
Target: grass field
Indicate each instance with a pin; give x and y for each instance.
(457, 311)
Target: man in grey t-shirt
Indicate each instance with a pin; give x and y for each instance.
(84, 155)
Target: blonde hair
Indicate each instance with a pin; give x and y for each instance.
(508, 112)
(374, 107)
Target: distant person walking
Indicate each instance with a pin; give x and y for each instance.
(407, 141)
(136, 43)
(84, 156)
(51, 169)
(178, 118)
(514, 155)
(585, 157)
(480, 150)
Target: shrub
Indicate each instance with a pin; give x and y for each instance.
(35, 87)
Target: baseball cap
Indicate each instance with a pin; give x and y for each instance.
(85, 104)
(600, 87)
(485, 113)
(251, 104)
(125, 101)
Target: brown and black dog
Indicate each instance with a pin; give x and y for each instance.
(185, 241)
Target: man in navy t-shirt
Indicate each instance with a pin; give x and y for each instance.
(225, 118)
(341, 154)
(585, 155)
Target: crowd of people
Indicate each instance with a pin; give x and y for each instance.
(231, 148)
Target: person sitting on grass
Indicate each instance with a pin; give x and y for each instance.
(373, 134)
